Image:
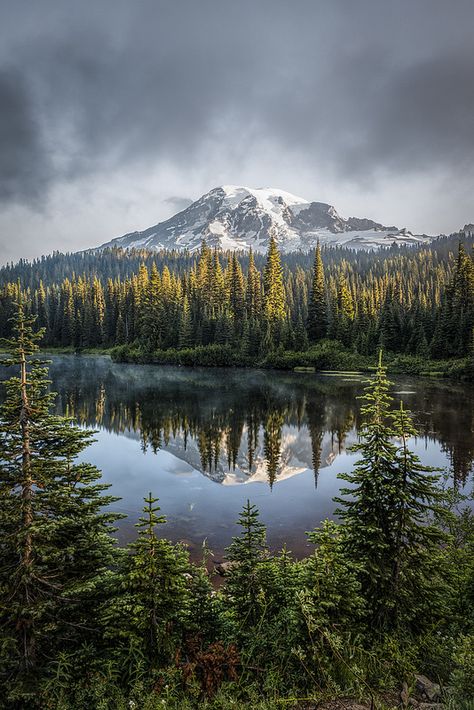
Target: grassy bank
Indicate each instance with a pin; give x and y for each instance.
(327, 355)
(70, 350)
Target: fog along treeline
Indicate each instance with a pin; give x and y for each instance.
(246, 411)
(245, 308)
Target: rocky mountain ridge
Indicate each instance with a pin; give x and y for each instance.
(236, 217)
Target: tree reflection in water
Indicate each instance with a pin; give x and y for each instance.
(237, 418)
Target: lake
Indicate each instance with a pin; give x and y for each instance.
(206, 440)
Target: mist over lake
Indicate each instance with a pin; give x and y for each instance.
(206, 440)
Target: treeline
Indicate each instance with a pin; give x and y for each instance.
(116, 263)
(384, 594)
(409, 301)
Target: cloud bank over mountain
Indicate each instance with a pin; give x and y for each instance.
(111, 110)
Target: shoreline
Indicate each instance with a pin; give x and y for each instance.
(330, 358)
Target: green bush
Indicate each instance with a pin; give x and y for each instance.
(459, 369)
(200, 356)
(326, 355)
(462, 677)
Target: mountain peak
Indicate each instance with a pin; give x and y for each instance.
(261, 194)
(239, 217)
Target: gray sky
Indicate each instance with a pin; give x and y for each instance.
(114, 111)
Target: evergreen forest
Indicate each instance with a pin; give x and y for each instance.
(332, 308)
(380, 611)
(236, 355)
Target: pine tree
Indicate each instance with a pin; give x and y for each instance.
(345, 311)
(317, 307)
(247, 552)
(456, 317)
(41, 308)
(120, 333)
(385, 513)
(416, 589)
(185, 336)
(217, 291)
(224, 328)
(68, 314)
(274, 292)
(146, 616)
(55, 542)
(300, 335)
(151, 312)
(253, 290)
(98, 313)
(236, 294)
(166, 322)
(331, 577)
(365, 514)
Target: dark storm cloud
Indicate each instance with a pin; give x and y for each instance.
(427, 116)
(358, 87)
(378, 116)
(24, 164)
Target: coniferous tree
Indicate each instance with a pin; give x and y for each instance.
(274, 293)
(152, 312)
(300, 336)
(146, 617)
(345, 311)
(366, 514)
(418, 301)
(55, 542)
(317, 308)
(247, 552)
(332, 579)
(236, 294)
(386, 511)
(42, 308)
(416, 588)
(253, 290)
(185, 337)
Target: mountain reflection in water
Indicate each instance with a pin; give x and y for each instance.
(213, 438)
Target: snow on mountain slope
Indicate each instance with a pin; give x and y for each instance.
(236, 217)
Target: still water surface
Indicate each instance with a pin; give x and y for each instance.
(204, 441)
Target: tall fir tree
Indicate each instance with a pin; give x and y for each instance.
(274, 292)
(317, 322)
(145, 618)
(253, 293)
(56, 548)
(386, 515)
(247, 552)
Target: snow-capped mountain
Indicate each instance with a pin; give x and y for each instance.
(235, 217)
